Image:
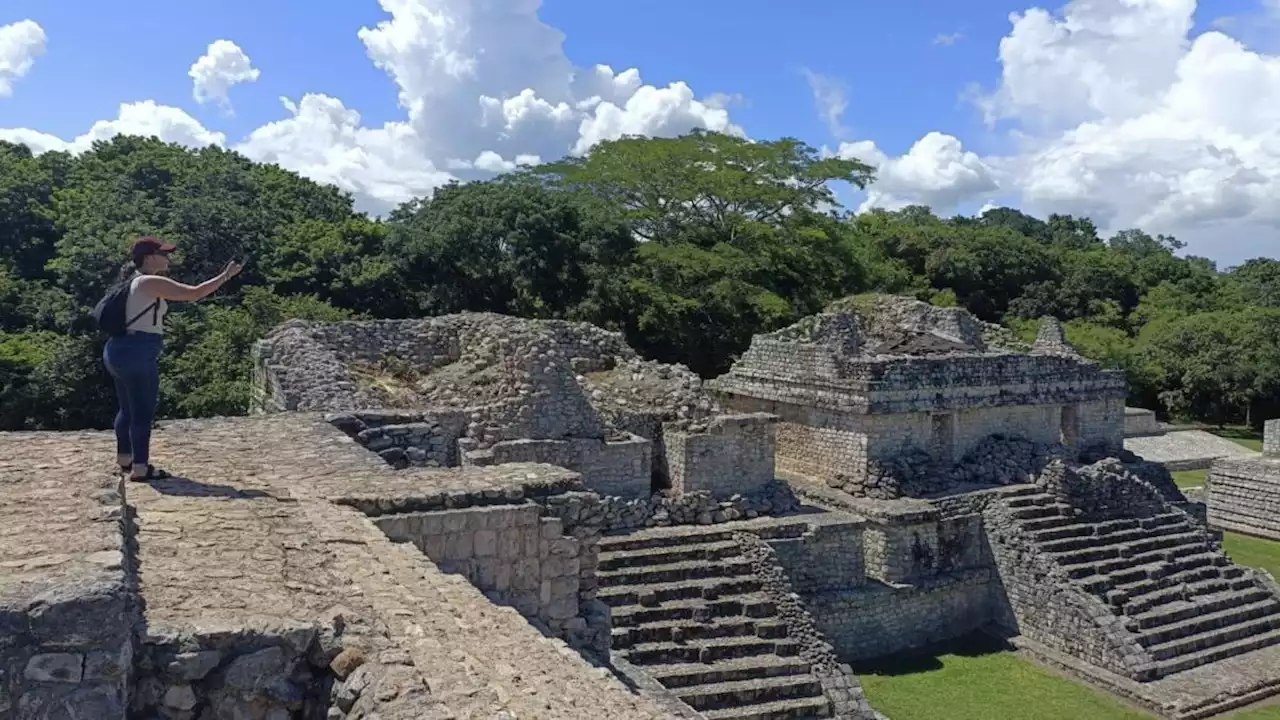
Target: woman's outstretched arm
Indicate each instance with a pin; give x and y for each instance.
(166, 289)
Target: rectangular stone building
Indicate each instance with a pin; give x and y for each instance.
(897, 380)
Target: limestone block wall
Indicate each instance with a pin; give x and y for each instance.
(1271, 437)
(914, 547)
(1139, 422)
(617, 468)
(517, 557)
(1037, 423)
(880, 619)
(1243, 495)
(850, 450)
(827, 557)
(734, 454)
(1101, 424)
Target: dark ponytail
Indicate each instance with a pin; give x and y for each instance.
(126, 271)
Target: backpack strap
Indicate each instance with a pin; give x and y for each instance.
(153, 308)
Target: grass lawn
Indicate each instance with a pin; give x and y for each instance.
(1253, 552)
(1189, 478)
(1241, 435)
(975, 678)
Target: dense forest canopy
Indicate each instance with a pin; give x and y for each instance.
(687, 245)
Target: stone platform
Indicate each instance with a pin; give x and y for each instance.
(1185, 449)
(250, 582)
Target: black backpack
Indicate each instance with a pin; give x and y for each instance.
(110, 310)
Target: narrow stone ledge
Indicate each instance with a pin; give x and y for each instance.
(68, 607)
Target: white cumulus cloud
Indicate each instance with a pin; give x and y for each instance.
(1118, 111)
(20, 44)
(485, 87)
(144, 118)
(937, 171)
(224, 64)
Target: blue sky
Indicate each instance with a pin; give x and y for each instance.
(900, 81)
(901, 84)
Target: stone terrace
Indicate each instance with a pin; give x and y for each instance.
(256, 590)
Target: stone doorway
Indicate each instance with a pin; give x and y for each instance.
(1070, 425)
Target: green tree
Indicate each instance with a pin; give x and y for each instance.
(704, 187)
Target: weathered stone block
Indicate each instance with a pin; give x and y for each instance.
(55, 668)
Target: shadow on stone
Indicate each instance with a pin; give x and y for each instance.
(186, 487)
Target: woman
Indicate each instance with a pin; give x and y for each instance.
(133, 359)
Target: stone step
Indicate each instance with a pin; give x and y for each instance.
(1163, 567)
(1021, 489)
(1150, 578)
(1047, 523)
(1093, 540)
(1062, 532)
(653, 594)
(665, 554)
(674, 572)
(679, 675)
(1160, 581)
(709, 650)
(1030, 500)
(1214, 653)
(744, 693)
(1214, 637)
(684, 631)
(1128, 569)
(1133, 548)
(815, 707)
(1041, 512)
(752, 605)
(1213, 619)
(666, 537)
(1173, 591)
(1060, 528)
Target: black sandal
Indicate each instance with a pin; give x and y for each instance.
(153, 473)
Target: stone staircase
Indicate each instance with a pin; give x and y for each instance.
(1166, 577)
(689, 612)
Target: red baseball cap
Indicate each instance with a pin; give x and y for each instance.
(148, 245)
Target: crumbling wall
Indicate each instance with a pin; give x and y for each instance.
(283, 674)
(489, 388)
(619, 467)
(66, 642)
(728, 455)
(405, 438)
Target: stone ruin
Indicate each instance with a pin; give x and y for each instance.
(480, 389)
(895, 398)
(480, 516)
(1242, 494)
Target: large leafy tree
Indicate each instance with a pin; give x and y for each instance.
(704, 187)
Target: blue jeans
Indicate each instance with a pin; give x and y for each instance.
(134, 363)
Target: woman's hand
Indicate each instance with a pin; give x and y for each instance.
(231, 270)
